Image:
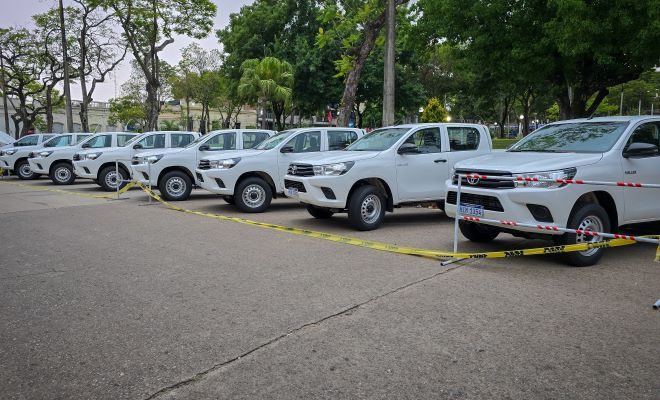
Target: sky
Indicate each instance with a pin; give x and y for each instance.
(20, 14)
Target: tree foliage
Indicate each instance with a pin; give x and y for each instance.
(434, 111)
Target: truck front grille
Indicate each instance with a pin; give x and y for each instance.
(484, 183)
(301, 170)
(204, 164)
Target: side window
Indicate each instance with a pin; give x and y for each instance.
(80, 138)
(122, 139)
(251, 139)
(305, 142)
(338, 140)
(463, 138)
(100, 142)
(648, 133)
(181, 139)
(27, 141)
(428, 140)
(153, 141)
(222, 141)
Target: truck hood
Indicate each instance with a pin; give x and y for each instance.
(332, 157)
(19, 148)
(221, 155)
(526, 162)
(159, 151)
(106, 150)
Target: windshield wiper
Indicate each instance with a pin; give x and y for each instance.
(540, 151)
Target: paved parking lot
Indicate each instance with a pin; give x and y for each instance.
(120, 299)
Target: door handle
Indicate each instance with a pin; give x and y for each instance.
(440, 161)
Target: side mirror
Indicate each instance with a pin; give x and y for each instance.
(86, 145)
(286, 149)
(408, 148)
(137, 146)
(640, 150)
(204, 147)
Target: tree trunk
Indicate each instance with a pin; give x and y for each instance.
(388, 74)
(152, 107)
(49, 110)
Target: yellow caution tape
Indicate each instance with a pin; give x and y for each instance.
(434, 254)
(94, 196)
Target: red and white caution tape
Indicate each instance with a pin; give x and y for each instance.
(565, 230)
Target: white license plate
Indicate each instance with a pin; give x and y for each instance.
(292, 192)
(472, 210)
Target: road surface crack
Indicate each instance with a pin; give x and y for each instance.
(346, 311)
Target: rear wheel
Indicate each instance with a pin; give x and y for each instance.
(319, 212)
(109, 179)
(62, 174)
(175, 186)
(24, 172)
(253, 195)
(477, 232)
(585, 217)
(366, 208)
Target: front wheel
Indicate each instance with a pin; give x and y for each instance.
(319, 212)
(253, 195)
(24, 172)
(478, 233)
(585, 217)
(62, 174)
(175, 186)
(109, 179)
(366, 208)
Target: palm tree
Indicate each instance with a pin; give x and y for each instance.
(269, 81)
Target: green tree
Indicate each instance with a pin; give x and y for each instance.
(434, 111)
(269, 81)
(149, 26)
(127, 111)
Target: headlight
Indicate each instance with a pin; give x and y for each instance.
(10, 152)
(45, 154)
(559, 174)
(333, 169)
(92, 156)
(224, 164)
(153, 159)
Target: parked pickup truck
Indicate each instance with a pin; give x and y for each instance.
(388, 168)
(15, 157)
(57, 162)
(99, 164)
(251, 178)
(612, 149)
(172, 170)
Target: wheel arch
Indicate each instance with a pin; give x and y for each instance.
(112, 164)
(258, 174)
(175, 168)
(61, 161)
(603, 199)
(379, 183)
(18, 160)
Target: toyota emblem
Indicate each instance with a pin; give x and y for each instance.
(294, 169)
(472, 180)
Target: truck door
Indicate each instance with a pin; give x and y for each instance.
(641, 204)
(421, 176)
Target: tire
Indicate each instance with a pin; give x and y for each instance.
(366, 208)
(108, 179)
(477, 232)
(253, 195)
(229, 199)
(175, 186)
(585, 216)
(319, 212)
(62, 174)
(23, 171)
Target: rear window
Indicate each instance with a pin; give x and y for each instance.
(339, 140)
(463, 138)
(181, 139)
(99, 142)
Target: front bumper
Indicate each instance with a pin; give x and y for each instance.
(512, 204)
(219, 181)
(38, 165)
(144, 174)
(320, 191)
(84, 169)
(6, 163)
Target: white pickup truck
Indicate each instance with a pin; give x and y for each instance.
(99, 163)
(251, 178)
(15, 157)
(172, 170)
(611, 149)
(57, 162)
(388, 168)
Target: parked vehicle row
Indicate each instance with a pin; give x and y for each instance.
(342, 170)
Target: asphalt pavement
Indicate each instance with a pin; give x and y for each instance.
(123, 299)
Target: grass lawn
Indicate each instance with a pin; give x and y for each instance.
(503, 143)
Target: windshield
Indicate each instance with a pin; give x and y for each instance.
(133, 139)
(378, 140)
(59, 141)
(274, 141)
(577, 137)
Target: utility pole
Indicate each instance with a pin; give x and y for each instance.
(67, 87)
(388, 81)
(4, 92)
(621, 103)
